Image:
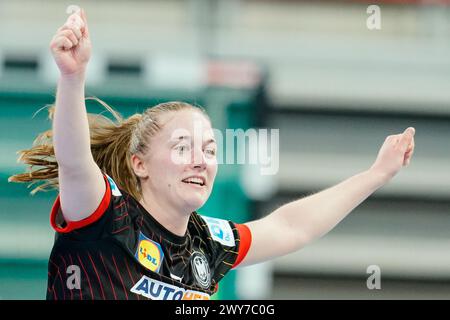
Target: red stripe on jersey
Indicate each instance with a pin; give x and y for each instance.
(60, 278)
(129, 273)
(98, 277)
(110, 281)
(87, 276)
(62, 285)
(72, 225)
(65, 268)
(119, 205)
(120, 277)
(245, 237)
(121, 217)
(120, 230)
(54, 293)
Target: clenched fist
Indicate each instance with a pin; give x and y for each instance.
(71, 45)
(395, 153)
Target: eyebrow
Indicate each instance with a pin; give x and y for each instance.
(181, 138)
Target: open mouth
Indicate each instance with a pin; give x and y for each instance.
(199, 181)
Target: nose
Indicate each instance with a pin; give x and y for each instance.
(198, 159)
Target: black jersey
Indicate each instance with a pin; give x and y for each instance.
(122, 252)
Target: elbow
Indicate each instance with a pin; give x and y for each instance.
(302, 239)
(74, 164)
(296, 236)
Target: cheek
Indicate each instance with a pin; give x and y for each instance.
(165, 172)
(171, 183)
(212, 171)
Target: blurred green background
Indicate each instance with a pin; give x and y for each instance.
(26, 233)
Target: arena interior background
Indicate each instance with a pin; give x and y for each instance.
(311, 69)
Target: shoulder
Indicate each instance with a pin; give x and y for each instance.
(226, 239)
(112, 215)
(217, 230)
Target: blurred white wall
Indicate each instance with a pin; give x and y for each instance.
(317, 52)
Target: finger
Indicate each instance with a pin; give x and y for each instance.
(391, 138)
(75, 19)
(76, 30)
(394, 136)
(406, 138)
(69, 34)
(63, 43)
(411, 146)
(409, 153)
(408, 159)
(84, 18)
(397, 138)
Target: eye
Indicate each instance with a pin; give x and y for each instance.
(211, 152)
(183, 148)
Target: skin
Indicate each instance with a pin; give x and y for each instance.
(165, 196)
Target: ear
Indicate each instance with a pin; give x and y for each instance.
(139, 166)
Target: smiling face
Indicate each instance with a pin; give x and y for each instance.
(180, 167)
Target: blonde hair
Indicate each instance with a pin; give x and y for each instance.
(112, 145)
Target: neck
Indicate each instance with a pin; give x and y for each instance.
(169, 217)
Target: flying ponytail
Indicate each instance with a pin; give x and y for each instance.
(112, 144)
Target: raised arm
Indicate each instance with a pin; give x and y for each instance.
(80, 180)
(297, 223)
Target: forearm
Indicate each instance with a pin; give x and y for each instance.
(293, 225)
(70, 125)
(315, 215)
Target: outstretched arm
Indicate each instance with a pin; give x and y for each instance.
(81, 182)
(297, 223)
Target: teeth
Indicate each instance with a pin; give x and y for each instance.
(194, 180)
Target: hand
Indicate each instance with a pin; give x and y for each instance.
(71, 45)
(395, 153)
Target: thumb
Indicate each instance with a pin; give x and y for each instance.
(85, 29)
(406, 138)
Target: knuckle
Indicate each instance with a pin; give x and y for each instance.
(70, 35)
(54, 43)
(77, 33)
(64, 32)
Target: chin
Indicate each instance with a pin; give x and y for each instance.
(193, 199)
(195, 203)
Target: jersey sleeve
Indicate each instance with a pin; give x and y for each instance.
(245, 237)
(229, 243)
(96, 224)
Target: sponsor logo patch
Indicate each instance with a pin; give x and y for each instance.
(157, 290)
(149, 253)
(220, 231)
